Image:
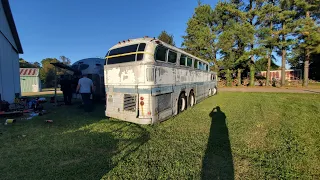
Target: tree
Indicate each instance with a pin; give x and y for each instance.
(201, 34)
(308, 33)
(25, 64)
(65, 60)
(262, 64)
(236, 38)
(252, 10)
(47, 71)
(37, 65)
(284, 28)
(267, 35)
(167, 38)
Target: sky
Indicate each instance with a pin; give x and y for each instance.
(81, 29)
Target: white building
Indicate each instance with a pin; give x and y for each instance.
(30, 80)
(10, 48)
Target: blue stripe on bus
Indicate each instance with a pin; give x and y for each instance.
(156, 90)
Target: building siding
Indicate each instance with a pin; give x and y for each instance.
(27, 83)
(291, 74)
(5, 29)
(9, 71)
(30, 80)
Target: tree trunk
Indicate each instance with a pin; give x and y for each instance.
(283, 67)
(228, 76)
(215, 61)
(306, 69)
(268, 70)
(269, 60)
(239, 77)
(306, 62)
(252, 73)
(252, 69)
(283, 60)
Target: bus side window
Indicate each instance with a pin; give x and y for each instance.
(141, 49)
(196, 66)
(207, 67)
(212, 77)
(200, 66)
(183, 60)
(161, 53)
(172, 57)
(204, 66)
(189, 61)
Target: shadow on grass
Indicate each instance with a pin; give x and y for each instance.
(218, 162)
(75, 146)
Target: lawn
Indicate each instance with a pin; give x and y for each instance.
(250, 136)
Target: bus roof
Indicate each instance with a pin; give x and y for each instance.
(149, 40)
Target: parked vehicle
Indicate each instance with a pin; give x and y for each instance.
(148, 81)
(93, 67)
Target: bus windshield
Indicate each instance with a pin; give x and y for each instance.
(125, 54)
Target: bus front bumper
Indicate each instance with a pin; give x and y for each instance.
(129, 117)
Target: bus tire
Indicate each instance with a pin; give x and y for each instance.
(214, 92)
(192, 100)
(182, 103)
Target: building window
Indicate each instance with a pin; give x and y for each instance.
(172, 57)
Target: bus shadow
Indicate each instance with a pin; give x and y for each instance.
(218, 161)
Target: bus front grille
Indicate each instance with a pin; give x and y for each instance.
(129, 102)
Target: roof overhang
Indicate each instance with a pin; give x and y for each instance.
(66, 67)
(7, 11)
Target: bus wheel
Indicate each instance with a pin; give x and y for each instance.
(210, 93)
(214, 91)
(191, 99)
(182, 103)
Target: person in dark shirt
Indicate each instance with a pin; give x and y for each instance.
(66, 88)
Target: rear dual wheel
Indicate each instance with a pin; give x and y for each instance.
(191, 99)
(182, 103)
(212, 91)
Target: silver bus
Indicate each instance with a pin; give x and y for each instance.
(147, 81)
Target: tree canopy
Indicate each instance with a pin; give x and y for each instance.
(167, 38)
(242, 34)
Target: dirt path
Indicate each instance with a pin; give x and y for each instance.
(40, 93)
(264, 89)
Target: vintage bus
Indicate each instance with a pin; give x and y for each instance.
(147, 81)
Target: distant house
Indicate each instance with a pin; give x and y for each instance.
(10, 48)
(291, 74)
(30, 80)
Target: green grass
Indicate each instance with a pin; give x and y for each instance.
(254, 136)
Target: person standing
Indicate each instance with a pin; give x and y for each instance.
(66, 88)
(85, 88)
